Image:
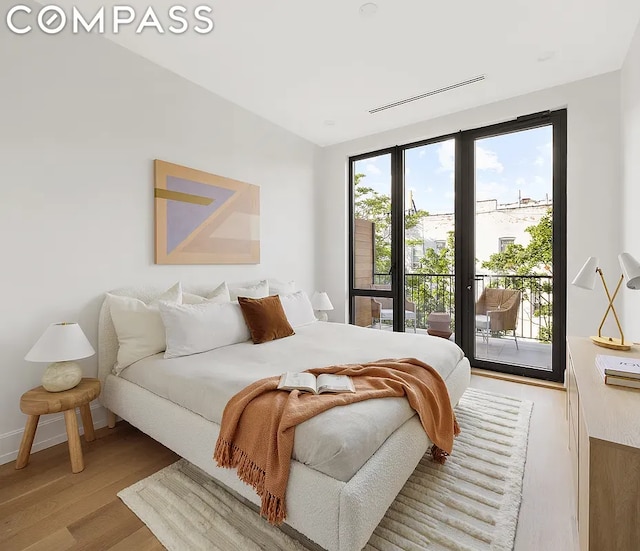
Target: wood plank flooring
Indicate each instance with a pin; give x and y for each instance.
(45, 507)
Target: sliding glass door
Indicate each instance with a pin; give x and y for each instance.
(463, 237)
(514, 198)
(375, 286)
(429, 234)
(402, 237)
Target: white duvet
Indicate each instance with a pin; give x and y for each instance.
(337, 442)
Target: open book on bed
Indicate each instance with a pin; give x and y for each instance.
(308, 382)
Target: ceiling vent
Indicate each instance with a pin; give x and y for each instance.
(428, 94)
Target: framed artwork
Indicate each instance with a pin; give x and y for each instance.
(203, 218)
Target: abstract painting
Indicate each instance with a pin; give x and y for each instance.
(202, 218)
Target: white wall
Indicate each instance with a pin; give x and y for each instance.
(493, 222)
(594, 172)
(81, 120)
(631, 176)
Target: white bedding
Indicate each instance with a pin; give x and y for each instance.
(204, 383)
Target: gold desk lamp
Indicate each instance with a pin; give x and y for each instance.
(586, 279)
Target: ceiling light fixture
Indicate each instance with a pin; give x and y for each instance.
(369, 9)
(428, 94)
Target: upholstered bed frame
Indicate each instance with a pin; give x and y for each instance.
(339, 516)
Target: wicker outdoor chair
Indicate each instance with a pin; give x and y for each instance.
(382, 310)
(497, 311)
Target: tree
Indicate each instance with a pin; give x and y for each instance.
(372, 205)
(440, 261)
(435, 284)
(534, 259)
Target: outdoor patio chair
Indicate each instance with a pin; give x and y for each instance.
(382, 310)
(497, 311)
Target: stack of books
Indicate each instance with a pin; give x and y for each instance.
(619, 370)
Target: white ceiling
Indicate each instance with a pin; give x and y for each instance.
(299, 63)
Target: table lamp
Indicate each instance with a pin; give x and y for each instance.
(631, 270)
(61, 343)
(586, 279)
(321, 304)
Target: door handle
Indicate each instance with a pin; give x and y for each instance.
(469, 287)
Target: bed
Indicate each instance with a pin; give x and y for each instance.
(341, 481)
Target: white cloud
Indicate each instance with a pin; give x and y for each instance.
(373, 169)
(545, 152)
(423, 153)
(487, 160)
(494, 190)
(521, 182)
(446, 156)
(429, 189)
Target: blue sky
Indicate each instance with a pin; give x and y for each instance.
(504, 164)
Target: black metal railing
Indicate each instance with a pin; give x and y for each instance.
(436, 293)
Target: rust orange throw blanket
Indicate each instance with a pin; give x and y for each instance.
(258, 424)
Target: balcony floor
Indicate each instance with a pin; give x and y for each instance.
(530, 353)
(503, 349)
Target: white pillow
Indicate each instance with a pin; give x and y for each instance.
(194, 328)
(221, 294)
(281, 288)
(297, 307)
(256, 290)
(139, 326)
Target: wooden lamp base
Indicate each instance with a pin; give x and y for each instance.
(610, 342)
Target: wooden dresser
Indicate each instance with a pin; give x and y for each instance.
(604, 439)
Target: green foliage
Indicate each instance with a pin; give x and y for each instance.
(376, 207)
(536, 258)
(441, 261)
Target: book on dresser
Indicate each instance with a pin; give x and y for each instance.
(619, 370)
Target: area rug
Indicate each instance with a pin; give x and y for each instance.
(469, 504)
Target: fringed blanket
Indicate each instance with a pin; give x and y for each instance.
(258, 423)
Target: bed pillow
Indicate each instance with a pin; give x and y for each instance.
(195, 328)
(280, 288)
(221, 294)
(265, 318)
(297, 307)
(255, 290)
(139, 326)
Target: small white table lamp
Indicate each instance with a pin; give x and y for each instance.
(61, 343)
(321, 304)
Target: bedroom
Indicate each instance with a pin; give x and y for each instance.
(83, 118)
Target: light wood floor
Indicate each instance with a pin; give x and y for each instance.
(547, 514)
(46, 508)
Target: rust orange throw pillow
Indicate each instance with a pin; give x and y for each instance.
(265, 318)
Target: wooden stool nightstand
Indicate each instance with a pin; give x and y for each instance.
(38, 401)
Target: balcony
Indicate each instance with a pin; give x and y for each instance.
(436, 293)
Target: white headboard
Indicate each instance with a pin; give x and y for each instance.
(107, 338)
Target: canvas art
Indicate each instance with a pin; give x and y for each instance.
(203, 218)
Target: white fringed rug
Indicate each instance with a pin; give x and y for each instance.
(469, 504)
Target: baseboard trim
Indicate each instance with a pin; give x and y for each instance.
(51, 431)
(517, 379)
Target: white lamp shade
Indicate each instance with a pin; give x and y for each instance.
(586, 278)
(321, 302)
(631, 270)
(61, 342)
